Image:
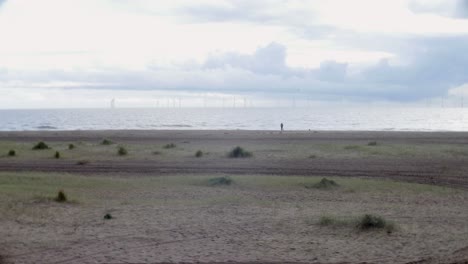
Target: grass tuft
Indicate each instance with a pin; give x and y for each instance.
(40, 145)
(326, 220)
(170, 145)
(108, 216)
(122, 151)
(324, 183)
(71, 146)
(352, 147)
(363, 223)
(199, 154)
(57, 155)
(12, 153)
(220, 181)
(372, 143)
(157, 152)
(61, 197)
(106, 142)
(239, 152)
(369, 221)
(335, 221)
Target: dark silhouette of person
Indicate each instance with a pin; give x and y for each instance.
(281, 127)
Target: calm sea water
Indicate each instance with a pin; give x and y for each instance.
(408, 119)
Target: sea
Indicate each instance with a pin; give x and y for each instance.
(314, 119)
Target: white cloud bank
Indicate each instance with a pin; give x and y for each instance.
(64, 53)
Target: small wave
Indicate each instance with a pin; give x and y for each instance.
(46, 127)
(176, 125)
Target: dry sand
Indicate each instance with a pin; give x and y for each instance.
(180, 219)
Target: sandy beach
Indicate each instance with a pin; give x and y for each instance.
(164, 207)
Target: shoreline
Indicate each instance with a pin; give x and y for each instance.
(73, 135)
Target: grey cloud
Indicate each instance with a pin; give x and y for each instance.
(449, 8)
(245, 11)
(332, 71)
(270, 59)
(433, 65)
(299, 20)
(462, 9)
(234, 10)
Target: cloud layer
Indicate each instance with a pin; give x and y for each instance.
(267, 49)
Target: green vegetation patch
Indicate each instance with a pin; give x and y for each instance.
(365, 222)
(199, 154)
(369, 221)
(108, 216)
(329, 220)
(40, 146)
(106, 142)
(324, 183)
(12, 153)
(170, 146)
(220, 181)
(61, 197)
(122, 151)
(239, 152)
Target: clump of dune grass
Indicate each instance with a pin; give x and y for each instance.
(61, 197)
(106, 142)
(324, 183)
(108, 216)
(372, 143)
(352, 147)
(326, 221)
(363, 223)
(370, 221)
(335, 221)
(57, 155)
(239, 152)
(157, 152)
(122, 151)
(199, 154)
(40, 145)
(12, 153)
(71, 146)
(82, 162)
(220, 181)
(312, 156)
(170, 145)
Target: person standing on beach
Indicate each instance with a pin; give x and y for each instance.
(281, 127)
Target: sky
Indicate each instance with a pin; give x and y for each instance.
(144, 53)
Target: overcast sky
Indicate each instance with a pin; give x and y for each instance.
(69, 53)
